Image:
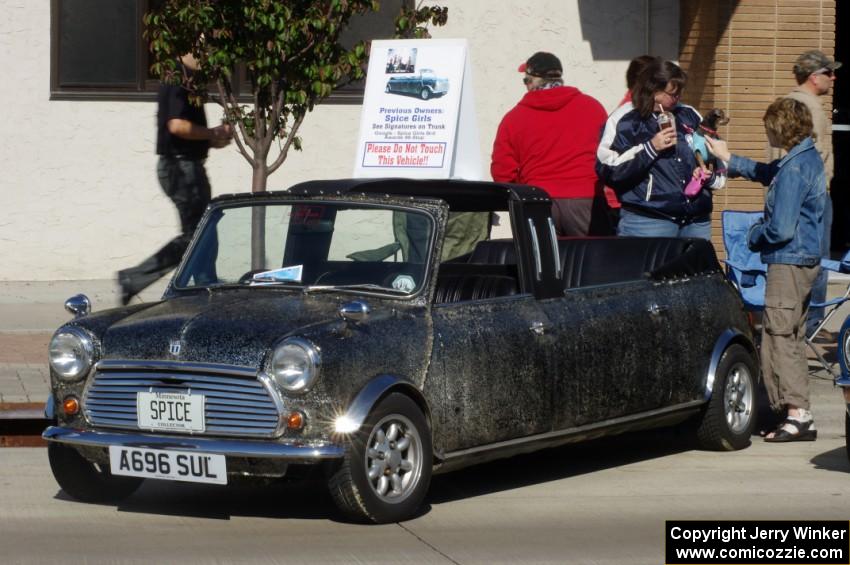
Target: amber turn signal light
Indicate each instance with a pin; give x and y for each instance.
(295, 421)
(71, 406)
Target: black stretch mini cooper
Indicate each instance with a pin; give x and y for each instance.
(340, 328)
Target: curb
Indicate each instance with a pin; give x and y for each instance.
(21, 424)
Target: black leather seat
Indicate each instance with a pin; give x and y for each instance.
(458, 288)
(595, 261)
(494, 252)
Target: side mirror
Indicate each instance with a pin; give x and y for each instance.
(354, 312)
(78, 305)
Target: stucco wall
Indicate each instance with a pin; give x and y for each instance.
(78, 189)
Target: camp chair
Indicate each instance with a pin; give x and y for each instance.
(830, 307)
(746, 271)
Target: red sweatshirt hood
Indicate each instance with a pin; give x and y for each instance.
(551, 99)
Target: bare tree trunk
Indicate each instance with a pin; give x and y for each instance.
(258, 216)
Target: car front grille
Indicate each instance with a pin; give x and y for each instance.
(236, 402)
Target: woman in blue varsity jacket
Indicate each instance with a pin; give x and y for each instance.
(653, 165)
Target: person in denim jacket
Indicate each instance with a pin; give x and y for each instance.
(789, 239)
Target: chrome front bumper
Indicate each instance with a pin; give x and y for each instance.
(288, 452)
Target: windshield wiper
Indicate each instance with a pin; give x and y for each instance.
(361, 286)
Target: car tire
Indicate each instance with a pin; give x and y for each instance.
(730, 416)
(425, 94)
(378, 481)
(82, 480)
(387, 89)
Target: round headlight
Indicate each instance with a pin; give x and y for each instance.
(71, 353)
(295, 364)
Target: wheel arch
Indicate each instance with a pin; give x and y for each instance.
(377, 389)
(727, 338)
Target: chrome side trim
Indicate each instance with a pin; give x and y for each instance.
(563, 434)
(535, 244)
(722, 343)
(553, 235)
(294, 451)
(180, 367)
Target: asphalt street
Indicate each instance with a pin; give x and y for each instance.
(599, 503)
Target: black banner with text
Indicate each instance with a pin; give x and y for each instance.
(691, 542)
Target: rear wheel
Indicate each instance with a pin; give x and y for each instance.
(84, 481)
(730, 417)
(387, 466)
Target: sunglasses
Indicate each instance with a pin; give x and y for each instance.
(526, 80)
(826, 72)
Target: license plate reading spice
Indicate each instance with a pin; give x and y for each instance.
(173, 411)
(170, 465)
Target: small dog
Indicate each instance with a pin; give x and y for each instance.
(707, 162)
(708, 127)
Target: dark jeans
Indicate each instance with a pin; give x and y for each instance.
(185, 182)
(819, 288)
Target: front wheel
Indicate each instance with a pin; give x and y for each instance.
(387, 466)
(730, 417)
(82, 480)
(425, 94)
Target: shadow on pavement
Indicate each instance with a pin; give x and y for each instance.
(309, 499)
(559, 463)
(833, 460)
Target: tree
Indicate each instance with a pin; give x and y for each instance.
(291, 53)
(293, 58)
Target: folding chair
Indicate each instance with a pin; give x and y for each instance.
(830, 307)
(749, 275)
(744, 269)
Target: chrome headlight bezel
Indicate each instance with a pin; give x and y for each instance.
(294, 365)
(71, 353)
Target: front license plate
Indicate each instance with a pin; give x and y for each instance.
(172, 411)
(171, 465)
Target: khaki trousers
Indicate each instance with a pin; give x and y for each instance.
(783, 349)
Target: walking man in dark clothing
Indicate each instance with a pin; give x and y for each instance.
(183, 140)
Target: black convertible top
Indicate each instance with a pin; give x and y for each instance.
(461, 196)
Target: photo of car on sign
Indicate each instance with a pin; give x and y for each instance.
(355, 349)
(425, 85)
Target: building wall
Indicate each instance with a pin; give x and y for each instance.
(78, 184)
(739, 55)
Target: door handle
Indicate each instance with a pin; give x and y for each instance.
(538, 328)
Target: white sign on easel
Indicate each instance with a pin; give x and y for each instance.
(418, 116)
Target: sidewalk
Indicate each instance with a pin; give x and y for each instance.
(24, 376)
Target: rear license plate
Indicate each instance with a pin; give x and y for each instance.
(171, 465)
(173, 411)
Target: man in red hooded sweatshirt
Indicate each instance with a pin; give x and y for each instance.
(549, 140)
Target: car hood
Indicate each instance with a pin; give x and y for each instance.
(234, 327)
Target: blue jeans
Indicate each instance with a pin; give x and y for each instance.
(819, 288)
(636, 225)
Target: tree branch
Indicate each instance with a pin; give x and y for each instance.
(277, 107)
(292, 131)
(225, 98)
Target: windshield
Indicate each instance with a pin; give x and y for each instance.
(313, 246)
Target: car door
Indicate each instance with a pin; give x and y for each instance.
(606, 354)
(492, 369)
